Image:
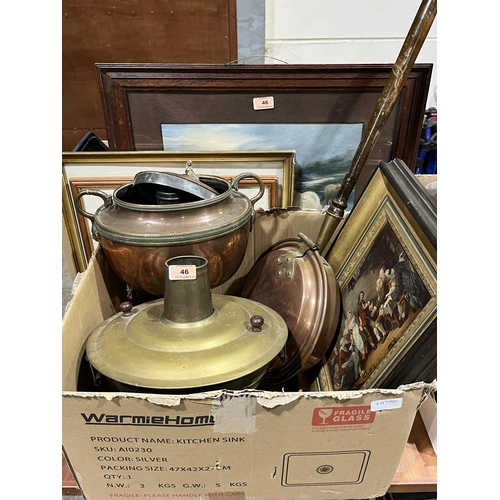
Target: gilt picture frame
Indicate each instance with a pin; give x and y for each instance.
(106, 171)
(138, 98)
(384, 260)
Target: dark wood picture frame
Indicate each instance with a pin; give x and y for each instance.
(138, 98)
(393, 227)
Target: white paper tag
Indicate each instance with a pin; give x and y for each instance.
(181, 273)
(263, 103)
(386, 404)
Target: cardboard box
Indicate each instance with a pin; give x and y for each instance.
(248, 444)
(428, 412)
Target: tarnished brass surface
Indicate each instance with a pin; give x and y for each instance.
(189, 340)
(147, 352)
(187, 300)
(295, 281)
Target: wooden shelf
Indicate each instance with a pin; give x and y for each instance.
(417, 471)
(69, 484)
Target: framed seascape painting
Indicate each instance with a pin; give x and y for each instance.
(324, 154)
(319, 111)
(106, 171)
(384, 260)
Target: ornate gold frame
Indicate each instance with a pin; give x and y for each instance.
(393, 199)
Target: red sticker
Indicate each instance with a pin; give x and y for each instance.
(342, 416)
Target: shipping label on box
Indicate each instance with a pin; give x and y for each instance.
(244, 444)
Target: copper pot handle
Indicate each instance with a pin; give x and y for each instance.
(108, 200)
(247, 175)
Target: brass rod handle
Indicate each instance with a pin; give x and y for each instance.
(396, 81)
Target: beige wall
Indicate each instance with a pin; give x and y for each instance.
(344, 31)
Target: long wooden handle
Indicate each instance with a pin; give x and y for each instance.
(397, 79)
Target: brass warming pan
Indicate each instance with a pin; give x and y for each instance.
(189, 341)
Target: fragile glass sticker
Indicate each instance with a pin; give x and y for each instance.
(386, 404)
(181, 273)
(263, 103)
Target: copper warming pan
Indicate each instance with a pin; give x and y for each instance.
(295, 280)
(292, 277)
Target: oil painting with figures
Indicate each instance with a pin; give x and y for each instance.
(380, 302)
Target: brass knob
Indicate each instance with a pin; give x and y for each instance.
(126, 308)
(256, 322)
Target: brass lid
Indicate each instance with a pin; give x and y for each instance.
(144, 349)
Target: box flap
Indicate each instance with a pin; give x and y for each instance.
(251, 444)
(90, 306)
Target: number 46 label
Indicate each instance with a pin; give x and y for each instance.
(181, 272)
(263, 103)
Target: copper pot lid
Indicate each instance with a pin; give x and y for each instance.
(295, 281)
(122, 220)
(189, 339)
(168, 188)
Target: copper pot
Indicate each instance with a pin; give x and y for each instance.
(137, 238)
